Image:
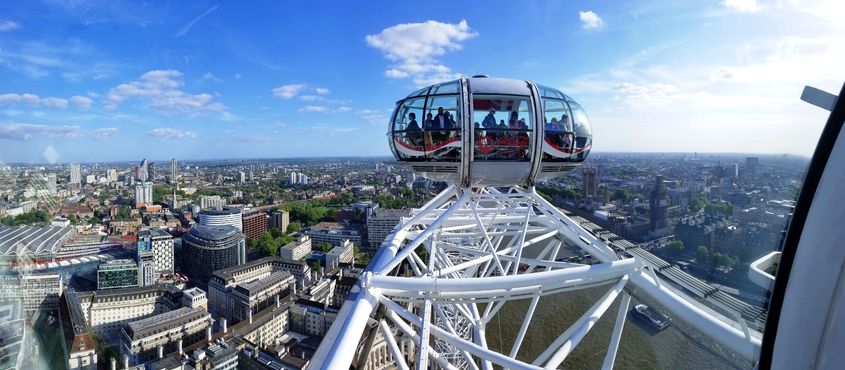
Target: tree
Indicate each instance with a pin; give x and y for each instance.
(325, 247)
(294, 227)
(252, 243)
(701, 254)
(73, 219)
(697, 203)
(621, 194)
(276, 233)
(676, 246)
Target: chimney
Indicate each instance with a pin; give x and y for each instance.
(223, 324)
(179, 347)
(208, 333)
(160, 351)
(278, 302)
(125, 362)
(249, 315)
(113, 363)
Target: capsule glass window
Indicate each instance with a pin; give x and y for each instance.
(407, 129)
(558, 136)
(442, 125)
(503, 127)
(583, 132)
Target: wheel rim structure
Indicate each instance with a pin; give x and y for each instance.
(446, 271)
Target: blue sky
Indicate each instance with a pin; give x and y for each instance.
(115, 80)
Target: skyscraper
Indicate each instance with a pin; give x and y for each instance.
(51, 183)
(241, 177)
(589, 185)
(151, 171)
(75, 174)
(143, 194)
(658, 209)
(174, 172)
(141, 171)
(292, 178)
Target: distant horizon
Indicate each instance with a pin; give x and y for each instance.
(388, 157)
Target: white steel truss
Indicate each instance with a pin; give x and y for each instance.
(447, 270)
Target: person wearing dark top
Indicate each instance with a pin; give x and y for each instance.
(489, 120)
(440, 122)
(413, 130)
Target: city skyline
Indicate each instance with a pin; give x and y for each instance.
(85, 82)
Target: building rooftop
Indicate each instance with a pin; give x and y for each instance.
(154, 233)
(165, 321)
(255, 286)
(214, 232)
(221, 212)
(229, 272)
(21, 241)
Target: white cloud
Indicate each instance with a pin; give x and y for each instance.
(742, 5)
(105, 133)
(313, 108)
(590, 20)
(210, 77)
(413, 47)
(55, 102)
(288, 91)
(343, 109)
(172, 133)
(8, 26)
(81, 101)
(187, 26)
(30, 98)
(25, 131)
(373, 117)
(322, 90)
(311, 98)
(749, 105)
(161, 89)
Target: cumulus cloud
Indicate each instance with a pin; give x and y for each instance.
(105, 133)
(162, 90)
(16, 98)
(288, 91)
(313, 108)
(322, 90)
(55, 102)
(171, 133)
(8, 26)
(742, 5)
(81, 101)
(210, 77)
(590, 20)
(413, 48)
(25, 131)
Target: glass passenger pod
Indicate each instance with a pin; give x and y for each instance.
(583, 133)
(427, 125)
(502, 127)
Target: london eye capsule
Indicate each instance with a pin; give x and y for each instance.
(483, 131)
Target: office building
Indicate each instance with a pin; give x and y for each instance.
(340, 254)
(142, 340)
(111, 175)
(311, 318)
(75, 174)
(159, 244)
(254, 223)
(381, 223)
(80, 348)
(279, 220)
(51, 184)
(37, 292)
(143, 194)
(212, 201)
(296, 250)
(174, 170)
(589, 182)
(142, 171)
(117, 274)
(335, 233)
(222, 217)
(240, 291)
(241, 177)
(206, 249)
(106, 311)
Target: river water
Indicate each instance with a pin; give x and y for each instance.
(677, 347)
